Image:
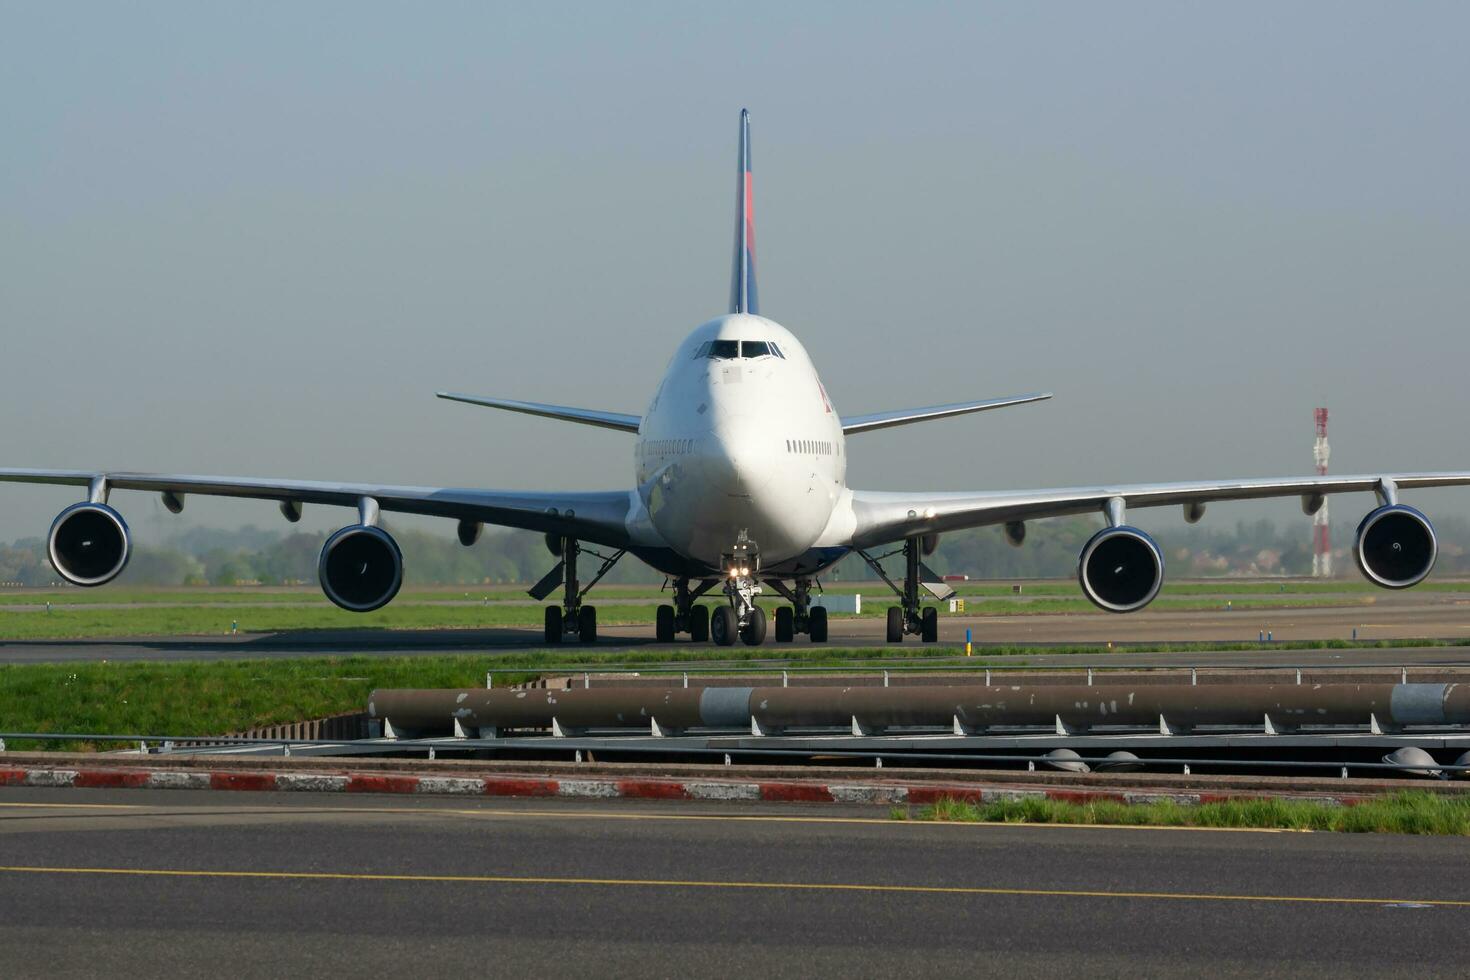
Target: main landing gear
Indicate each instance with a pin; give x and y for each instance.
(801, 616)
(910, 616)
(684, 616)
(571, 618)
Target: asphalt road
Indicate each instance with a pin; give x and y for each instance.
(1392, 616)
(171, 883)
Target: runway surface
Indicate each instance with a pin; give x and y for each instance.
(174, 883)
(1391, 616)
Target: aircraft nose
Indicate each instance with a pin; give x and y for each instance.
(739, 454)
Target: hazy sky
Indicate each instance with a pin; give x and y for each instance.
(256, 238)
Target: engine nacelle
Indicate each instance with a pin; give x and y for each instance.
(361, 568)
(1396, 547)
(1121, 569)
(89, 544)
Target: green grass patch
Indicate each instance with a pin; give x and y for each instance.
(1407, 812)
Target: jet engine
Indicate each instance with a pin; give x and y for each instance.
(89, 544)
(1396, 546)
(1121, 569)
(361, 568)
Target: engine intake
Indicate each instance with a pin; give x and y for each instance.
(1121, 569)
(361, 568)
(89, 544)
(1396, 547)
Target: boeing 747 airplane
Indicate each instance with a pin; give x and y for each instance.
(740, 485)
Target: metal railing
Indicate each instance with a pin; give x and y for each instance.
(628, 744)
(962, 665)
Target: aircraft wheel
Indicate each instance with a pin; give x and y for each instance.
(664, 624)
(754, 631)
(699, 624)
(587, 624)
(553, 624)
(929, 625)
(723, 626)
(895, 624)
(785, 624)
(817, 627)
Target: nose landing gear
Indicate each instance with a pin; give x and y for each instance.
(742, 617)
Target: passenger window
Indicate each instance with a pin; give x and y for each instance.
(754, 348)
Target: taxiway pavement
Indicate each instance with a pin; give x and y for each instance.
(1394, 616)
(177, 883)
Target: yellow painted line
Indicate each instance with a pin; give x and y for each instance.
(746, 885)
(610, 815)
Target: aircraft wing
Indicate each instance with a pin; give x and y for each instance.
(583, 416)
(597, 516)
(883, 516)
(882, 420)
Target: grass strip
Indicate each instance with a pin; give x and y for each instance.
(1406, 812)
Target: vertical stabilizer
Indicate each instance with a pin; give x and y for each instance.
(742, 280)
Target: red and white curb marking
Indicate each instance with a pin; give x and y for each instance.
(785, 791)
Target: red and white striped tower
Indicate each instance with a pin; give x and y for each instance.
(1321, 538)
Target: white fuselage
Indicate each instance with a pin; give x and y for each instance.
(740, 448)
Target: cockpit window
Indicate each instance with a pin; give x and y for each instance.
(737, 348)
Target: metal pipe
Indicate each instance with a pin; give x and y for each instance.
(1077, 707)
